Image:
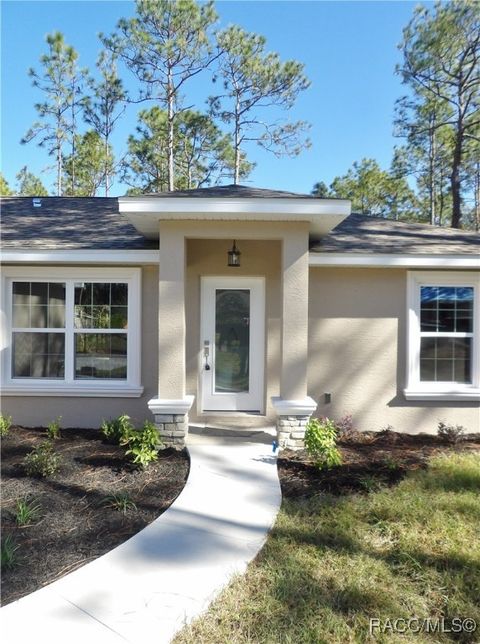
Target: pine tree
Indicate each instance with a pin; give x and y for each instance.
(254, 80)
(60, 79)
(165, 45)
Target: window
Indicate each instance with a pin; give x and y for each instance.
(443, 336)
(73, 334)
(38, 314)
(101, 306)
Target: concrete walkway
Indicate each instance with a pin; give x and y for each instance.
(145, 590)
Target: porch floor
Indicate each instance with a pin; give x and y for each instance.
(145, 590)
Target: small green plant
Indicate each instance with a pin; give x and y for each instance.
(142, 444)
(53, 429)
(42, 460)
(390, 463)
(369, 483)
(321, 442)
(5, 424)
(27, 511)
(121, 502)
(116, 429)
(451, 433)
(8, 553)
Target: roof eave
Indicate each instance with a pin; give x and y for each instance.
(144, 213)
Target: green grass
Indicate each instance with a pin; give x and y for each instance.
(331, 563)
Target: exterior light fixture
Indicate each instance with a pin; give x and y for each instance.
(234, 255)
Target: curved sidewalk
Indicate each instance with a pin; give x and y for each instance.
(146, 589)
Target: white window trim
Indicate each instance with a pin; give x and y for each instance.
(416, 390)
(129, 388)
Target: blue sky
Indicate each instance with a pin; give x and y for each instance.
(349, 50)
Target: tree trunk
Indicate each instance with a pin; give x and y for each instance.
(431, 169)
(236, 179)
(59, 170)
(477, 197)
(170, 97)
(107, 174)
(455, 181)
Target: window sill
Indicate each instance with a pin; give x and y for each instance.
(95, 391)
(470, 394)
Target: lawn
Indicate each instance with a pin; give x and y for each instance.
(335, 560)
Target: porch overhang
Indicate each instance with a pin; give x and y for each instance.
(145, 212)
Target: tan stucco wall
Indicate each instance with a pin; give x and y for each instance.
(259, 258)
(357, 352)
(89, 411)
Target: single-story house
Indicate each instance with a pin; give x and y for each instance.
(237, 307)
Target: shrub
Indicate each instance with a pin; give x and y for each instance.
(121, 502)
(116, 429)
(5, 424)
(345, 428)
(320, 442)
(451, 433)
(142, 444)
(8, 556)
(42, 460)
(53, 429)
(27, 511)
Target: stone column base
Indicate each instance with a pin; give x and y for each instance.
(291, 431)
(171, 419)
(292, 419)
(173, 430)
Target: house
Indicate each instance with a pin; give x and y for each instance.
(237, 307)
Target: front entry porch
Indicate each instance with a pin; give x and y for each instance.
(233, 340)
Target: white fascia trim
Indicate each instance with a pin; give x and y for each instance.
(472, 394)
(303, 407)
(170, 406)
(394, 261)
(207, 208)
(95, 391)
(76, 256)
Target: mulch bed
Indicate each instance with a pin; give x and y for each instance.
(369, 460)
(76, 525)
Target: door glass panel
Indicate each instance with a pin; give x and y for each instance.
(232, 340)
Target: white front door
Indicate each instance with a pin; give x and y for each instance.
(232, 343)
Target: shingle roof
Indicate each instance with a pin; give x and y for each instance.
(67, 223)
(364, 234)
(96, 223)
(233, 191)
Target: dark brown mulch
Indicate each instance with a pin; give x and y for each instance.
(76, 525)
(369, 460)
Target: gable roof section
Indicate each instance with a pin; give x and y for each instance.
(231, 191)
(68, 223)
(362, 234)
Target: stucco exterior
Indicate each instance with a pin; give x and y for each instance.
(357, 348)
(358, 353)
(259, 258)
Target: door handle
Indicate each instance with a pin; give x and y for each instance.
(206, 353)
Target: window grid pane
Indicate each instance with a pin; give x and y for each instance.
(38, 305)
(446, 310)
(38, 355)
(101, 305)
(101, 356)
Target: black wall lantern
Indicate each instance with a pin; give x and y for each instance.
(234, 255)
